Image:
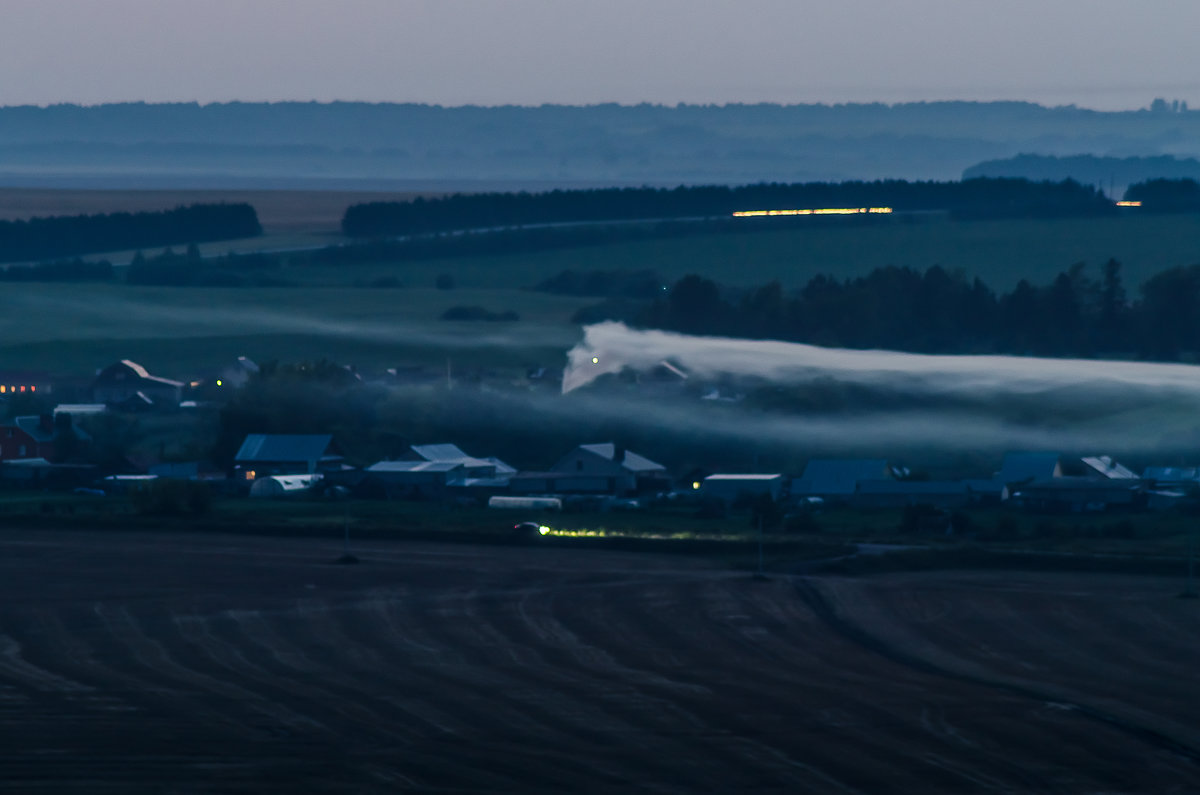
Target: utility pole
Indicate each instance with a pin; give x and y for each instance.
(1189, 592)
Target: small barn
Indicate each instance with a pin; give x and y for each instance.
(733, 487)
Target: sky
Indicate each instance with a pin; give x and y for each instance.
(1105, 54)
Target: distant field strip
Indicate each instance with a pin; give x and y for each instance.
(235, 664)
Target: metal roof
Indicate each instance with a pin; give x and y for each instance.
(283, 447)
(631, 461)
(734, 477)
(439, 452)
(838, 475)
(415, 466)
(1109, 468)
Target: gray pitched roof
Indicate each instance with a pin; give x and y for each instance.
(631, 461)
(838, 475)
(283, 447)
(415, 466)
(1108, 467)
(439, 452)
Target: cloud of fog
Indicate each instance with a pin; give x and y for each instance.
(612, 347)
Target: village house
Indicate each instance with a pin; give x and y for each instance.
(285, 454)
(127, 384)
(610, 469)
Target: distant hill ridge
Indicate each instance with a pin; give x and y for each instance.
(598, 144)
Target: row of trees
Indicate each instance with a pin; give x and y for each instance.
(66, 236)
(945, 312)
(973, 198)
(189, 269)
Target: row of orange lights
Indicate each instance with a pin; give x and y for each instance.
(4, 389)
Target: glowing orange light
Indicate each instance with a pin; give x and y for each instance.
(3, 389)
(33, 389)
(22, 388)
(1129, 204)
(823, 211)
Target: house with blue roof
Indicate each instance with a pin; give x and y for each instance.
(264, 454)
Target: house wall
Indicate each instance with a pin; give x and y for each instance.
(581, 462)
(16, 443)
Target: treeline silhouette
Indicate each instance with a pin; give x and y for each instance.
(945, 312)
(1166, 195)
(170, 269)
(973, 198)
(65, 236)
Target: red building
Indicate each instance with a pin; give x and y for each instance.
(27, 437)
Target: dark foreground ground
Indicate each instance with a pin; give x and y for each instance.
(141, 663)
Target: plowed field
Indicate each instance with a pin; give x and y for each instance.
(141, 663)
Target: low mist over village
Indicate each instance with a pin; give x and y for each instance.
(533, 397)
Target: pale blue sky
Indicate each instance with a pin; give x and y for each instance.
(1096, 53)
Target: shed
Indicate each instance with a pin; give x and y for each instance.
(732, 487)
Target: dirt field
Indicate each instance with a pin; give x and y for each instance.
(134, 663)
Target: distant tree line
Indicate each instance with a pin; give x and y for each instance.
(170, 269)
(973, 198)
(1166, 195)
(945, 312)
(65, 236)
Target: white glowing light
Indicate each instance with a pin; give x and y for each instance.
(544, 530)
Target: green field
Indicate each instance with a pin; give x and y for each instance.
(75, 328)
(999, 252)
